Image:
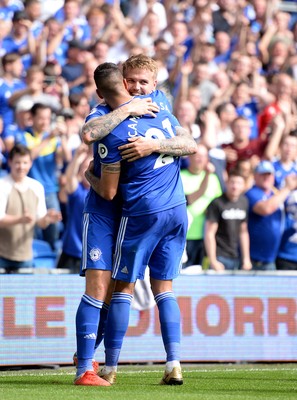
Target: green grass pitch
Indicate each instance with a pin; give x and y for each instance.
(201, 382)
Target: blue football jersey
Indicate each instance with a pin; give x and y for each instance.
(288, 246)
(265, 231)
(94, 203)
(152, 183)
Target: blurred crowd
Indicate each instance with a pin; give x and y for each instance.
(229, 68)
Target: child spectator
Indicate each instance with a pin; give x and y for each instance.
(22, 206)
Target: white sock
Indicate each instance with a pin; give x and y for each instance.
(171, 364)
(106, 370)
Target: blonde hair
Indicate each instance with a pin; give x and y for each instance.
(140, 61)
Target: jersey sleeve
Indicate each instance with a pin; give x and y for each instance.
(98, 111)
(108, 148)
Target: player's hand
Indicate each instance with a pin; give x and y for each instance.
(137, 148)
(138, 107)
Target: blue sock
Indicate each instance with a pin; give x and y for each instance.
(87, 320)
(116, 327)
(169, 315)
(102, 325)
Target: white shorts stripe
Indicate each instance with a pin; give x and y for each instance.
(84, 240)
(118, 249)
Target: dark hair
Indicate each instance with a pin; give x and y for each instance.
(235, 172)
(222, 107)
(10, 58)
(27, 3)
(108, 77)
(19, 149)
(75, 98)
(38, 106)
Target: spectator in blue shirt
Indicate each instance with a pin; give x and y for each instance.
(265, 215)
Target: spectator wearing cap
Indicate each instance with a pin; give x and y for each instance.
(265, 215)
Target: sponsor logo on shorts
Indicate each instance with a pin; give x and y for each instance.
(125, 270)
(95, 254)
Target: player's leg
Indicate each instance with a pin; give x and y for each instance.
(96, 266)
(87, 319)
(116, 327)
(125, 272)
(169, 316)
(165, 264)
(103, 314)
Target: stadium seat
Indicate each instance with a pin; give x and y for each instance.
(43, 255)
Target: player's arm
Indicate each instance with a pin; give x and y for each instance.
(182, 144)
(107, 185)
(99, 127)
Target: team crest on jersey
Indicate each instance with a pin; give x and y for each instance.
(95, 254)
(102, 150)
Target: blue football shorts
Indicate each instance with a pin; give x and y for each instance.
(155, 240)
(98, 242)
